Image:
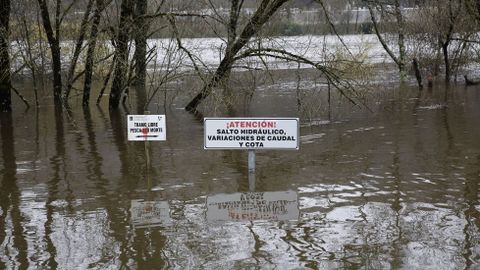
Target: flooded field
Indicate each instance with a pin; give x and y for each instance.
(396, 188)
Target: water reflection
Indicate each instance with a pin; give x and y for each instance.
(54, 200)
(472, 214)
(12, 237)
(149, 214)
(397, 189)
(248, 206)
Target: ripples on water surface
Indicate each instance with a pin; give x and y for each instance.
(396, 189)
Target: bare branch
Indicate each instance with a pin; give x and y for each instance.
(380, 38)
(173, 14)
(330, 74)
(181, 47)
(332, 26)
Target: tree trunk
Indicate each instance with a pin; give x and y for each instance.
(92, 44)
(54, 44)
(121, 52)
(78, 49)
(448, 38)
(140, 56)
(447, 61)
(222, 70)
(5, 79)
(232, 26)
(401, 40)
(400, 60)
(141, 35)
(12, 218)
(418, 74)
(263, 13)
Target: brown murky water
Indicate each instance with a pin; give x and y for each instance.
(393, 189)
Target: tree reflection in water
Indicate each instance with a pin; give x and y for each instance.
(396, 189)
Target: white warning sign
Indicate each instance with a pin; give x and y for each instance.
(246, 206)
(251, 133)
(146, 128)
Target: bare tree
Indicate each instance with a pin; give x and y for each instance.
(121, 52)
(92, 44)
(399, 60)
(445, 37)
(78, 48)
(262, 14)
(141, 35)
(53, 36)
(28, 51)
(444, 24)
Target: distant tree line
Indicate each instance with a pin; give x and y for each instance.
(68, 45)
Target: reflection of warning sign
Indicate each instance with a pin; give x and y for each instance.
(150, 213)
(279, 205)
(146, 128)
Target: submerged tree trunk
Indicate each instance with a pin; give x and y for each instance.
(446, 60)
(54, 43)
(452, 17)
(263, 13)
(92, 44)
(121, 52)
(401, 40)
(418, 74)
(141, 35)
(5, 80)
(78, 49)
(140, 56)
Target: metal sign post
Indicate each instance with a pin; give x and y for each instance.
(147, 155)
(147, 158)
(251, 161)
(251, 170)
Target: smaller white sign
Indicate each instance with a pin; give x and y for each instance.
(251, 133)
(147, 214)
(146, 128)
(246, 206)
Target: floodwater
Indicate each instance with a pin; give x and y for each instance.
(396, 188)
